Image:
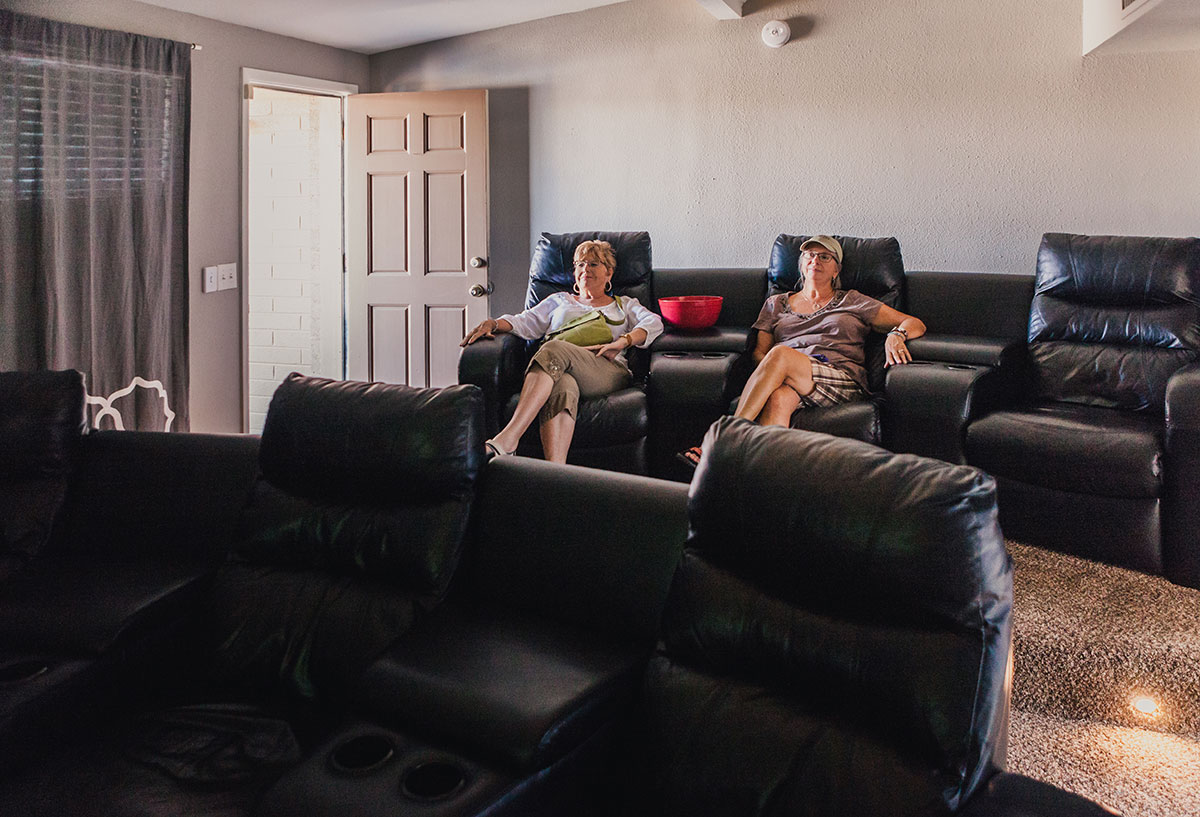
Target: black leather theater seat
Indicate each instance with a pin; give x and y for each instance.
(1097, 454)
(836, 641)
(610, 431)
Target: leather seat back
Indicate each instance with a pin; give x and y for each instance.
(1113, 317)
(742, 289)
(873, 266)
(970, 304)
(42, 421)
(584, 547)
(357, 522)
(552, 268)
(837, 637)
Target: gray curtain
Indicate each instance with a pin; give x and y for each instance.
(93, 210)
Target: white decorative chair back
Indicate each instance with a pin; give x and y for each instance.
(107, 409)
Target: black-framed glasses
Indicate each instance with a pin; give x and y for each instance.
(823, 257)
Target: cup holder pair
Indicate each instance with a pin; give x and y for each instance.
(426, 780)
(19, 672)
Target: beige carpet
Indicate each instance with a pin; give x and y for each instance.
(1138, 772)
(1088, 638)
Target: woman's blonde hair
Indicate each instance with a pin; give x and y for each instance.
(600, 251)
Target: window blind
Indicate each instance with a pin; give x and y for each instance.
(106, 140)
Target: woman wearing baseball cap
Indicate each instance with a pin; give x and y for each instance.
(810, 346)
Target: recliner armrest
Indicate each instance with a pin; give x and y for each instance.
(1014, 795)
(1181, 556)
(928, 406)
(966, 349)
(496, 365)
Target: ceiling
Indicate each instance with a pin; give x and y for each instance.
(371, 26)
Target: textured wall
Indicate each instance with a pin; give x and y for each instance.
(965, 128)
(215, 192)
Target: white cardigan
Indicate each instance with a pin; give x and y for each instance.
(559, 307)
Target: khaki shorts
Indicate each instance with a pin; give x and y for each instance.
(576, 372)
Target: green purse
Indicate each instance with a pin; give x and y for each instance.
(589, 329)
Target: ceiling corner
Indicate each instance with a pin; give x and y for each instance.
(724, 9)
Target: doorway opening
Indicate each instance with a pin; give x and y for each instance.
(293, 313)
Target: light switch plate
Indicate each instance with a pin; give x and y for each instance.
(210, 279)
(227, 276)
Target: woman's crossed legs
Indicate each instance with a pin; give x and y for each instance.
(784, 380)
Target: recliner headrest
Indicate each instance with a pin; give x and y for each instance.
(367, 443)
(873, 266)
(840, 524)
(552, 268)
(1113, 317)
(42, 417)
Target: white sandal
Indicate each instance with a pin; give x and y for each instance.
(494, 450)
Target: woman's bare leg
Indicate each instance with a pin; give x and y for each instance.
(534, 393)
(782, 365)
(780, 406)
(557, 433)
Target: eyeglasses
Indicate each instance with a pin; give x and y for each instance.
(823, 257)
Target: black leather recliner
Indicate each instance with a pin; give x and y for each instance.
(1098, 451)
(98, 587)
(874, 267)
(836, 640)
(352, 533)
(610, 431)
(353, 530)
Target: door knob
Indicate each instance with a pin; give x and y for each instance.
(478, 262)
(479, 290)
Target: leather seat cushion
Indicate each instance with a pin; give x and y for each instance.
(858, 420)
(718, 744)
(1082, 449)
(42, 696)
(519, 689)
(614, 419)
(309, 632)
(86, 606)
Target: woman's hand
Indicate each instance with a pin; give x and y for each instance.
(484, 330)
(611, 350)
(896, 349)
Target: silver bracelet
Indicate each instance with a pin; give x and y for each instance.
(898, 330)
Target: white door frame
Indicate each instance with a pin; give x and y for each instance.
(279, 82)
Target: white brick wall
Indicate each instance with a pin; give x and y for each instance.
(295, 242)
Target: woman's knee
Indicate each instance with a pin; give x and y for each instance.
(784, 360)
(783, 399)
(564, 397)
(550, 358)
(780, 353)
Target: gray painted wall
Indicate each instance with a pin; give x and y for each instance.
(965, 128)
(215, 186)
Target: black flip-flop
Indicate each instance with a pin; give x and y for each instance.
(690, 456)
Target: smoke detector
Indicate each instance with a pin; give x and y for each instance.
(776, 33)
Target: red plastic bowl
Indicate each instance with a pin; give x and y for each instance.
(691, 311)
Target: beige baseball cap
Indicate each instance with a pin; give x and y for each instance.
(828, 242)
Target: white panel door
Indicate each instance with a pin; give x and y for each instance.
(417, 233)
